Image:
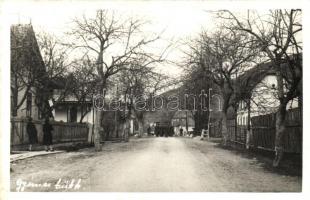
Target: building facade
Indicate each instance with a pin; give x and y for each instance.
(28, 74)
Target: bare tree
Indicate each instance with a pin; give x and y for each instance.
(139, 84)
(57, 72)
(84, 84)
(225, 55)
(114, 43)
(196, 83)
(278, 36)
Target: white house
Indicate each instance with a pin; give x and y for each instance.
(70, 110)
(263, 100)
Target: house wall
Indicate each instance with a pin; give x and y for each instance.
(61, 115)
(88, 118)
(263, 101)
(22, 111)
(25, 57)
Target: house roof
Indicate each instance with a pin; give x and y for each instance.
(25, 53)
(24, 45)
(248, 81)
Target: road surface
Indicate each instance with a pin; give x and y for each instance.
(150, 165)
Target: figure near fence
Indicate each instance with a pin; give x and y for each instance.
(47, 135)
(181, 131)
(32, 133)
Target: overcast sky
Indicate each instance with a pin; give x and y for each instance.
(179, 20)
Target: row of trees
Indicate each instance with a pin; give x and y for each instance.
(116, 46)
(241, 42)
(101, 53)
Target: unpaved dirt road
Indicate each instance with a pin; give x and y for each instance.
(151, 165)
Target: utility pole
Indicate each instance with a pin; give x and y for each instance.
(209, 108)
(115, 116)
(93, 125)
(186, 122)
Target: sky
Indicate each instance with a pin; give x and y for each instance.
(180, 21)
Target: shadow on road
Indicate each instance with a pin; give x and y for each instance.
(291, 165)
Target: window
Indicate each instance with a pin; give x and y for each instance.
(28, 104)
(72, 114)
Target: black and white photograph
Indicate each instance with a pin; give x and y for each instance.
(153, 96)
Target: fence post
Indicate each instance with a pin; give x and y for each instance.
(248, 131)
(72, 134)
(90, 133)
(248, 138)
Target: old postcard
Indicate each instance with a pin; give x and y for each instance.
(150, 96)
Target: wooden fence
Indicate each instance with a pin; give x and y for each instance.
(237, 132)
(63, 132)
(263, 132)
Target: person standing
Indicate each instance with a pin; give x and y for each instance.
(149, 131)
(32, 133)
(181, 131)
(47, 135)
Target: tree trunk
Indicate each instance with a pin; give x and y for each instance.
(127, 131)
(15, 99)
(121, 129)
(124, 129)
(225, 134)
(226, 93)
(115, 124)
(98, 119)
(101, 89)
(280, 128)
(83, 114)
(14, 111)
(140, 124)
(97, 130)
(280, 118)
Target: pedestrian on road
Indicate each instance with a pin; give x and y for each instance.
(32, 133)
(149, 130)
(181, 131)
(47, 135)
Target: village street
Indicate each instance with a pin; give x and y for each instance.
(150, 165)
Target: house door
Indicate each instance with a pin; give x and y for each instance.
(72, 115)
